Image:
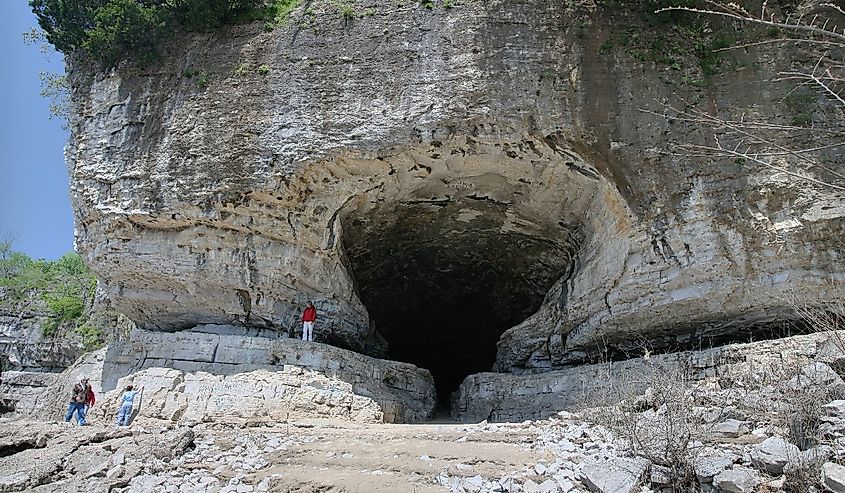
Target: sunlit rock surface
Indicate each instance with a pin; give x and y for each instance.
(474, 184)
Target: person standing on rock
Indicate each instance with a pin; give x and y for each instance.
(308, 318)
(77, 403)
(126, 400)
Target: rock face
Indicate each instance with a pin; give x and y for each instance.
(508, 397)
(23, 345)
(290, 393)
(403, 393)
(190, 377)
(47, 394)
(393, 166)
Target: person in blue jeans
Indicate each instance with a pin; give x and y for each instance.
(125, 411)
(77, 403)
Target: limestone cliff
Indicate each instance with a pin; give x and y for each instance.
(441, 181)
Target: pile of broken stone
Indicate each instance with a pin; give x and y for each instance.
(740, 452)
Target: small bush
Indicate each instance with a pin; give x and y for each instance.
(264, 69)
(347, 10)
(203, 79)
(242, 69)
(65, 307)
(278, 12)
(92, 336)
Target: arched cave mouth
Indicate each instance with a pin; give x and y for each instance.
(443, 278)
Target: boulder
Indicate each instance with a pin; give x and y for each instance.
(833, 476)
(809, 459)
(613, 474)
(731, 428)
(773, 454)
(708, 466)
(817, 375)
(737, 480)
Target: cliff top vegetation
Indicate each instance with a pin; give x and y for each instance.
(113, 30)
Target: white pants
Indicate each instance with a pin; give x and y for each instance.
(307, 331)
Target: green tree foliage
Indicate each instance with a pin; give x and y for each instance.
(125, 26)
(203, 15)
(55, 88)
(113, 30)
(65, 286)
(66, 22)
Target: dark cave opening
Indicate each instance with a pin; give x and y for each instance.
(442, 280)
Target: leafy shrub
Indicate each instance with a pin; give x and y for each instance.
(203, 79)
(242, 69)
(92, 336)
(65, 307)
(110, 31)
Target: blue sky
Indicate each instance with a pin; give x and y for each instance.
(34, 200)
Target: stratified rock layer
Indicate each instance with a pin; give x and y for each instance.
(212, 360)
(275, 396)
(485, 130)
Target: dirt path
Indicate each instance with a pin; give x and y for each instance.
(344, 457)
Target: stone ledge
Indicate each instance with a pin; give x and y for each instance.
(404, 392)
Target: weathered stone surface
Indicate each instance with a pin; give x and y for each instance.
(20, 390)
(404, 393)
(515, 397)
(706, 467)
(818, 375)
(833, 476)
(47, 395)
(230, 202)
(43, 450)
(737, 480)
(614, 475)
(291, 393)
(773, 454)
(731, 428)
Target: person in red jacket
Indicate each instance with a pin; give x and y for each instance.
(308, 318)
(90, 398)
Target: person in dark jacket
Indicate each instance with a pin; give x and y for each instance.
(308, 318)
(77, 403)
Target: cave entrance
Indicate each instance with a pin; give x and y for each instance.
(442, 279)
